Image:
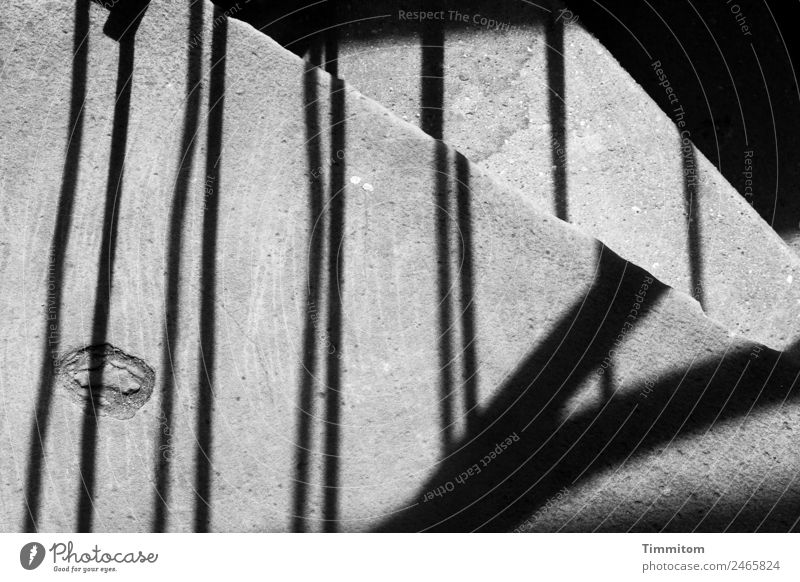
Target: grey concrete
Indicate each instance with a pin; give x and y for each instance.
(451, 305)
(624, 161)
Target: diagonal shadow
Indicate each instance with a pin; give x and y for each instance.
(550, 452)
(316, 227)
(530, 400)
(554, 40)
(208, 275)
(336, 201)
(191, 114)
(793, 351)
(58, 249)
(105, 272)
(686, 403)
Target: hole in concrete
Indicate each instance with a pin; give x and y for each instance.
(117, 384)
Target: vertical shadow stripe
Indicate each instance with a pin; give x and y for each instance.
(105, 272)
(467, 286)
(432, 123)
(191, 115)
(692, 210)
(55, 279)
(316, 228)
(554, 40)
(208, 276)
(336, 200)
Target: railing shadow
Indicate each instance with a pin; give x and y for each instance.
(316, 226)
(124, 18)
(466, 273)
(691, 201)
(553, 451)
(105, 269)
(432, 123)
(326, 217)
(727, 80)
(557, 110)
(449, 204)
(208, 276)
(191, 115)
(58, 250)
(336, 257)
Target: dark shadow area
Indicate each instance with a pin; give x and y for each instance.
(208, 275)
(124, 17)
(469, 334)
(793, 351)
(56, 266)
(733, 77)
(762, 512)
(557, 105)
(191, 116)
(432, 78)
(553, 451)
(337, 207)
(608, 382)
(295, 24)
(316, 228)
(691, 200)
(105, 271)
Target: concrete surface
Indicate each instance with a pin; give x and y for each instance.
(342, 315)
(537, 101)
(732, 65)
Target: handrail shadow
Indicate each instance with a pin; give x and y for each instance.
(552, 451)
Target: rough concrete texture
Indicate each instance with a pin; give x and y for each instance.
(541, 104)
(343, 315)
(730, 63)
